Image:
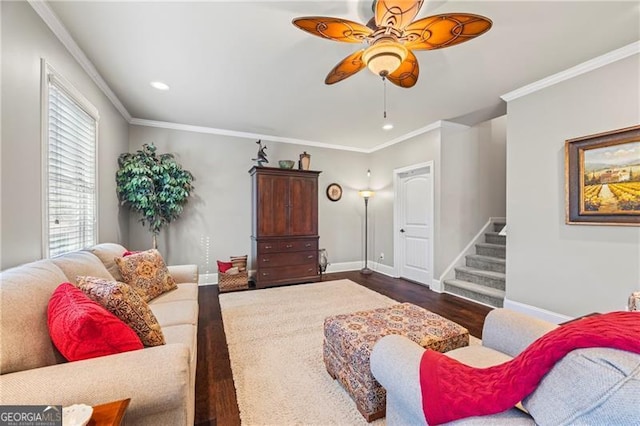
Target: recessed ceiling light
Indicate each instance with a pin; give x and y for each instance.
(159, 85)
(388, 126)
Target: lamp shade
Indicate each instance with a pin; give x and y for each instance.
(366, 193)
(385, 57)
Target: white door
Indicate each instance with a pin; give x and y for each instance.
(414, 224)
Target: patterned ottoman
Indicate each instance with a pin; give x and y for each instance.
(349, 339)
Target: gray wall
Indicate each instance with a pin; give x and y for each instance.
(469, 185)
(473, 188)
(220, 211)
(567, 269)
(26, 39)
(419, 149)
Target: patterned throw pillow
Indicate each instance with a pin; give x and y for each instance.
(125, 303)
(239, 262)
(147, 273)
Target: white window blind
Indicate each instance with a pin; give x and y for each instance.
(70, 198)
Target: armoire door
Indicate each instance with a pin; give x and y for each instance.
(273, 205)
(303, 206)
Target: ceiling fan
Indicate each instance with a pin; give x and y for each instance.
(392, 37)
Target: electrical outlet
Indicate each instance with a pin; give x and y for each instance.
(381, 256)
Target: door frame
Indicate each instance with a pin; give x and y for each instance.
(396, 214)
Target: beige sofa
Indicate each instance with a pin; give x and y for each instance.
(159, 380)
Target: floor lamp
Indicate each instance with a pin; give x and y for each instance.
(366, 194)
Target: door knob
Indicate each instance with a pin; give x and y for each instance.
(402, 230)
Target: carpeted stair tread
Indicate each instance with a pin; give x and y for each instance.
(490, 259)
(491, 245)
(481, 277)
(497, 226)
(480, 272)
(490, 249)
(495, 238)
(479, 293)
(485, 263)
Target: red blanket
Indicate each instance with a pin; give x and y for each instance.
(452, 390)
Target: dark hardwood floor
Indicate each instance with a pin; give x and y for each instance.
(215, 394)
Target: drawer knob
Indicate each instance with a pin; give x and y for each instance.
(310, 257)
(289, 245)
(310, 270)
(308, 245)
(266, 260)
(264, 274)
(267, 247)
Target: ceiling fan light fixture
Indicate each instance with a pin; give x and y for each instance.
(384, 58)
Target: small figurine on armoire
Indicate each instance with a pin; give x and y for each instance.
(262, 155)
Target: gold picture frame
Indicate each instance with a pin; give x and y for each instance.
(602, 178)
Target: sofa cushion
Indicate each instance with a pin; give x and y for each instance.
(81, 263)
(107, 253)
(185, 291)
(125, 303)
(25, 338)
(82, 329)
(147, 273)
(177, 312)
(609, 383)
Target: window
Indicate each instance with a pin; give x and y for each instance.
(70, 142)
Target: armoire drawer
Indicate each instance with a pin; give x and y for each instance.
(287, 272)
(269, 260)
(277, 246)
(298, 245)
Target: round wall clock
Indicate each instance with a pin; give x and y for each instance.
(334, 192)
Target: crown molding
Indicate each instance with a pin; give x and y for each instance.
(440, 124)
(247, 135)
(53, 22)
(236, 134)
(590, 65)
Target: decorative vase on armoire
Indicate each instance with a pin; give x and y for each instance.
(305, 161)
(284, 235)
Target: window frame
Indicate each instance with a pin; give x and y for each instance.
(50, 75)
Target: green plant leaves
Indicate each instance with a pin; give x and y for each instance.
(156, 187)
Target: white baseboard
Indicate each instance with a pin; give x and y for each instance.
(208, 279)
(540, 313)
(344, 267)
(436, 285)
(387, 270)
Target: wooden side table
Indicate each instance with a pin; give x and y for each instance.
(109, 414)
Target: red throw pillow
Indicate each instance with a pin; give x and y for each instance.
(129, 253)
(81, 328)
(224, 266)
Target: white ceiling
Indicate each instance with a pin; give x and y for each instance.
(242, 66)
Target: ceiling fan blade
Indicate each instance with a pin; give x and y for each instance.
(333, 28)
(407, 73)
(396, 13)
(439, 31)
(346, 68)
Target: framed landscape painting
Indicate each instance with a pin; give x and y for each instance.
(602, 183)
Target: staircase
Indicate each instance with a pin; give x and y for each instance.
(483, 277)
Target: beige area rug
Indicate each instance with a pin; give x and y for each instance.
(275, 346)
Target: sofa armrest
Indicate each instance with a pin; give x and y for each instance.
(184, 273)
(395, 363)
(156, 379)
(511, 332)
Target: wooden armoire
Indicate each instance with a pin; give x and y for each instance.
(284, 226)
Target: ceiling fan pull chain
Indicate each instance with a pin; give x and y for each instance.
(384, 82)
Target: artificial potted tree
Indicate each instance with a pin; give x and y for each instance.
(155, 186)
